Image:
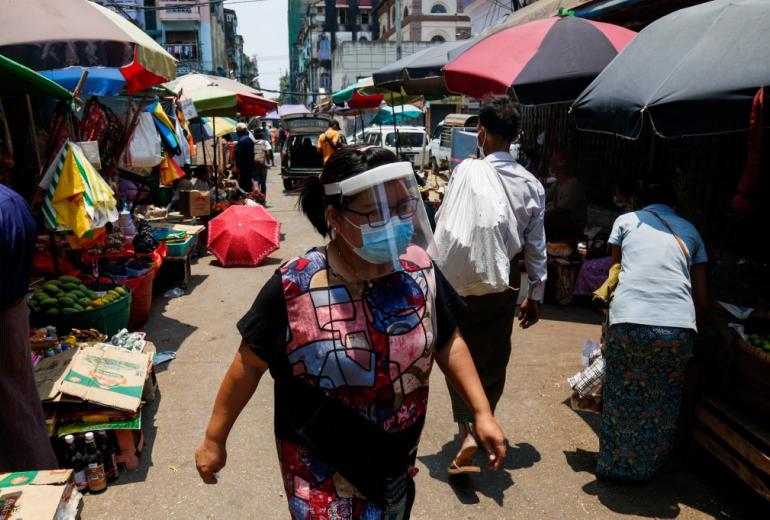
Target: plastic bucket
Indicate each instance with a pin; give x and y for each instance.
(141, 298)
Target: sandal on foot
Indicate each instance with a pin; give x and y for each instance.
(465, 454)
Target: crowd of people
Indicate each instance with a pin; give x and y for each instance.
(350, 330)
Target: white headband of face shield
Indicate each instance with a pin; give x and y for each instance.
(370, 178)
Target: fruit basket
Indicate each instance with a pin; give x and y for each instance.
(67, 302)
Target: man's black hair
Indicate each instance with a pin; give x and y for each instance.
(500, 117)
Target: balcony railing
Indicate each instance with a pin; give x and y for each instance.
(179, 10)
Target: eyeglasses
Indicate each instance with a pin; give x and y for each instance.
(380, 216)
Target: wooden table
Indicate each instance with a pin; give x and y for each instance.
(192, 230)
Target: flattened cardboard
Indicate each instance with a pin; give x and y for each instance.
(108, 377)
(48, 373)
(34, 494)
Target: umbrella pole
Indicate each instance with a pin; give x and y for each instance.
(134, 120)
(426, 124)
(395, 127)
(33, 132)
(216, 166)
(355, 129)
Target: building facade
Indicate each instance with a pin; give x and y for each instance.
(326, 25)
(423, 20)
(352, 61)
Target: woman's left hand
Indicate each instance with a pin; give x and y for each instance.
(492, 439)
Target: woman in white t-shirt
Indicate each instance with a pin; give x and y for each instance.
(652, 326)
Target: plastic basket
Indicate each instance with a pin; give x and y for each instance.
(181, 248)
(107, 319)
(141, 298)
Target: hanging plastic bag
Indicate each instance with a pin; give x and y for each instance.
(170, 171)
(476, 232)
(184, 146)
(143, 150)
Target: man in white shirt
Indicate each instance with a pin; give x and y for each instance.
(488, 321)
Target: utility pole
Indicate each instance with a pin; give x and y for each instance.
(398, 29)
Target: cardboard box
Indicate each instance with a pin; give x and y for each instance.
(195, 203)
(36, 494)
(112, 377)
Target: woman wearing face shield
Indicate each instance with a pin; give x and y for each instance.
(349, 332)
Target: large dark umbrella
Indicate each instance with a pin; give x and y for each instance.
(694, 72)
(545, 61)
(420, 73)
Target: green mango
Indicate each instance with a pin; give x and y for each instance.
(69, 279)
(66, 302)
(51, 289)
(52, 310)
(85, 302)
(78, 307)
(69, 310)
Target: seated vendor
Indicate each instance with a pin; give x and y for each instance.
(595, 269)
(566, 205)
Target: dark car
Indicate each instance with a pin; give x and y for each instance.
(299, 154)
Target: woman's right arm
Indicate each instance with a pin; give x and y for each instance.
(237, 387)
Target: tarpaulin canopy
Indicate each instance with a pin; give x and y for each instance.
(45, 35)
(388, 115)
(18, 80)
(693, 72)
(421, 72)
(545, 61)
(217, 96)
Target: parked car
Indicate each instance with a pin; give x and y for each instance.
(299, 154)
(411, 141)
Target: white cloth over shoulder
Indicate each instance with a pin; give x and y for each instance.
(476, 231)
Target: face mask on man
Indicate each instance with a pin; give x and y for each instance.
(383, 244)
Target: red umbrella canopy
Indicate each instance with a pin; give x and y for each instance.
(546, 61)
(244, 236)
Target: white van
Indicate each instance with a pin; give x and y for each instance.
(410, 141)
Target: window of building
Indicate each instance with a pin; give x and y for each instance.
(364, 18)
(363, 39)
(406, 12)
(342, 16)
(438, 39)
(438, 9)
(325, 81)
(392, 16)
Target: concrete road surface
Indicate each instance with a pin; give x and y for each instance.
(548, 472)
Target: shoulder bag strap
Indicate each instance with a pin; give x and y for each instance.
(676, 235)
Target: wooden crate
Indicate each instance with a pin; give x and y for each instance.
(737, 440)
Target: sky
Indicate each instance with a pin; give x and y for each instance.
(265, 31)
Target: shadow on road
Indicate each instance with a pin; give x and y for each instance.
(270, 260)
(593, 420)
(488, 483)
(572, 314)
(702, 487)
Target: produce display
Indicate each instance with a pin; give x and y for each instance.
(68, 295)
(761, 341)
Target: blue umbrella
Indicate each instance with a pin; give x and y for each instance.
(101, 81)
(390, 115)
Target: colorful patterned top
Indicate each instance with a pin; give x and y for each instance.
(370, 346)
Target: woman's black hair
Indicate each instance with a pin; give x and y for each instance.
(344, 163)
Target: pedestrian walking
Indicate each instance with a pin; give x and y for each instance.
(349, 332)
(244, 158)
(487, 323)
(261, 150)
(652, 325)
(330, 141)
(23, 436)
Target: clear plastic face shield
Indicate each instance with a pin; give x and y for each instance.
(384, 213)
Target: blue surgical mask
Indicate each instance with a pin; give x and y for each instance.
(384, 244)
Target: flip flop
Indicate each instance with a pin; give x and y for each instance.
(466, 454)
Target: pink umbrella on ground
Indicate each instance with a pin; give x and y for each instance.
(244, 236)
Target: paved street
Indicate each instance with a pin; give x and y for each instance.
(548, 473)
